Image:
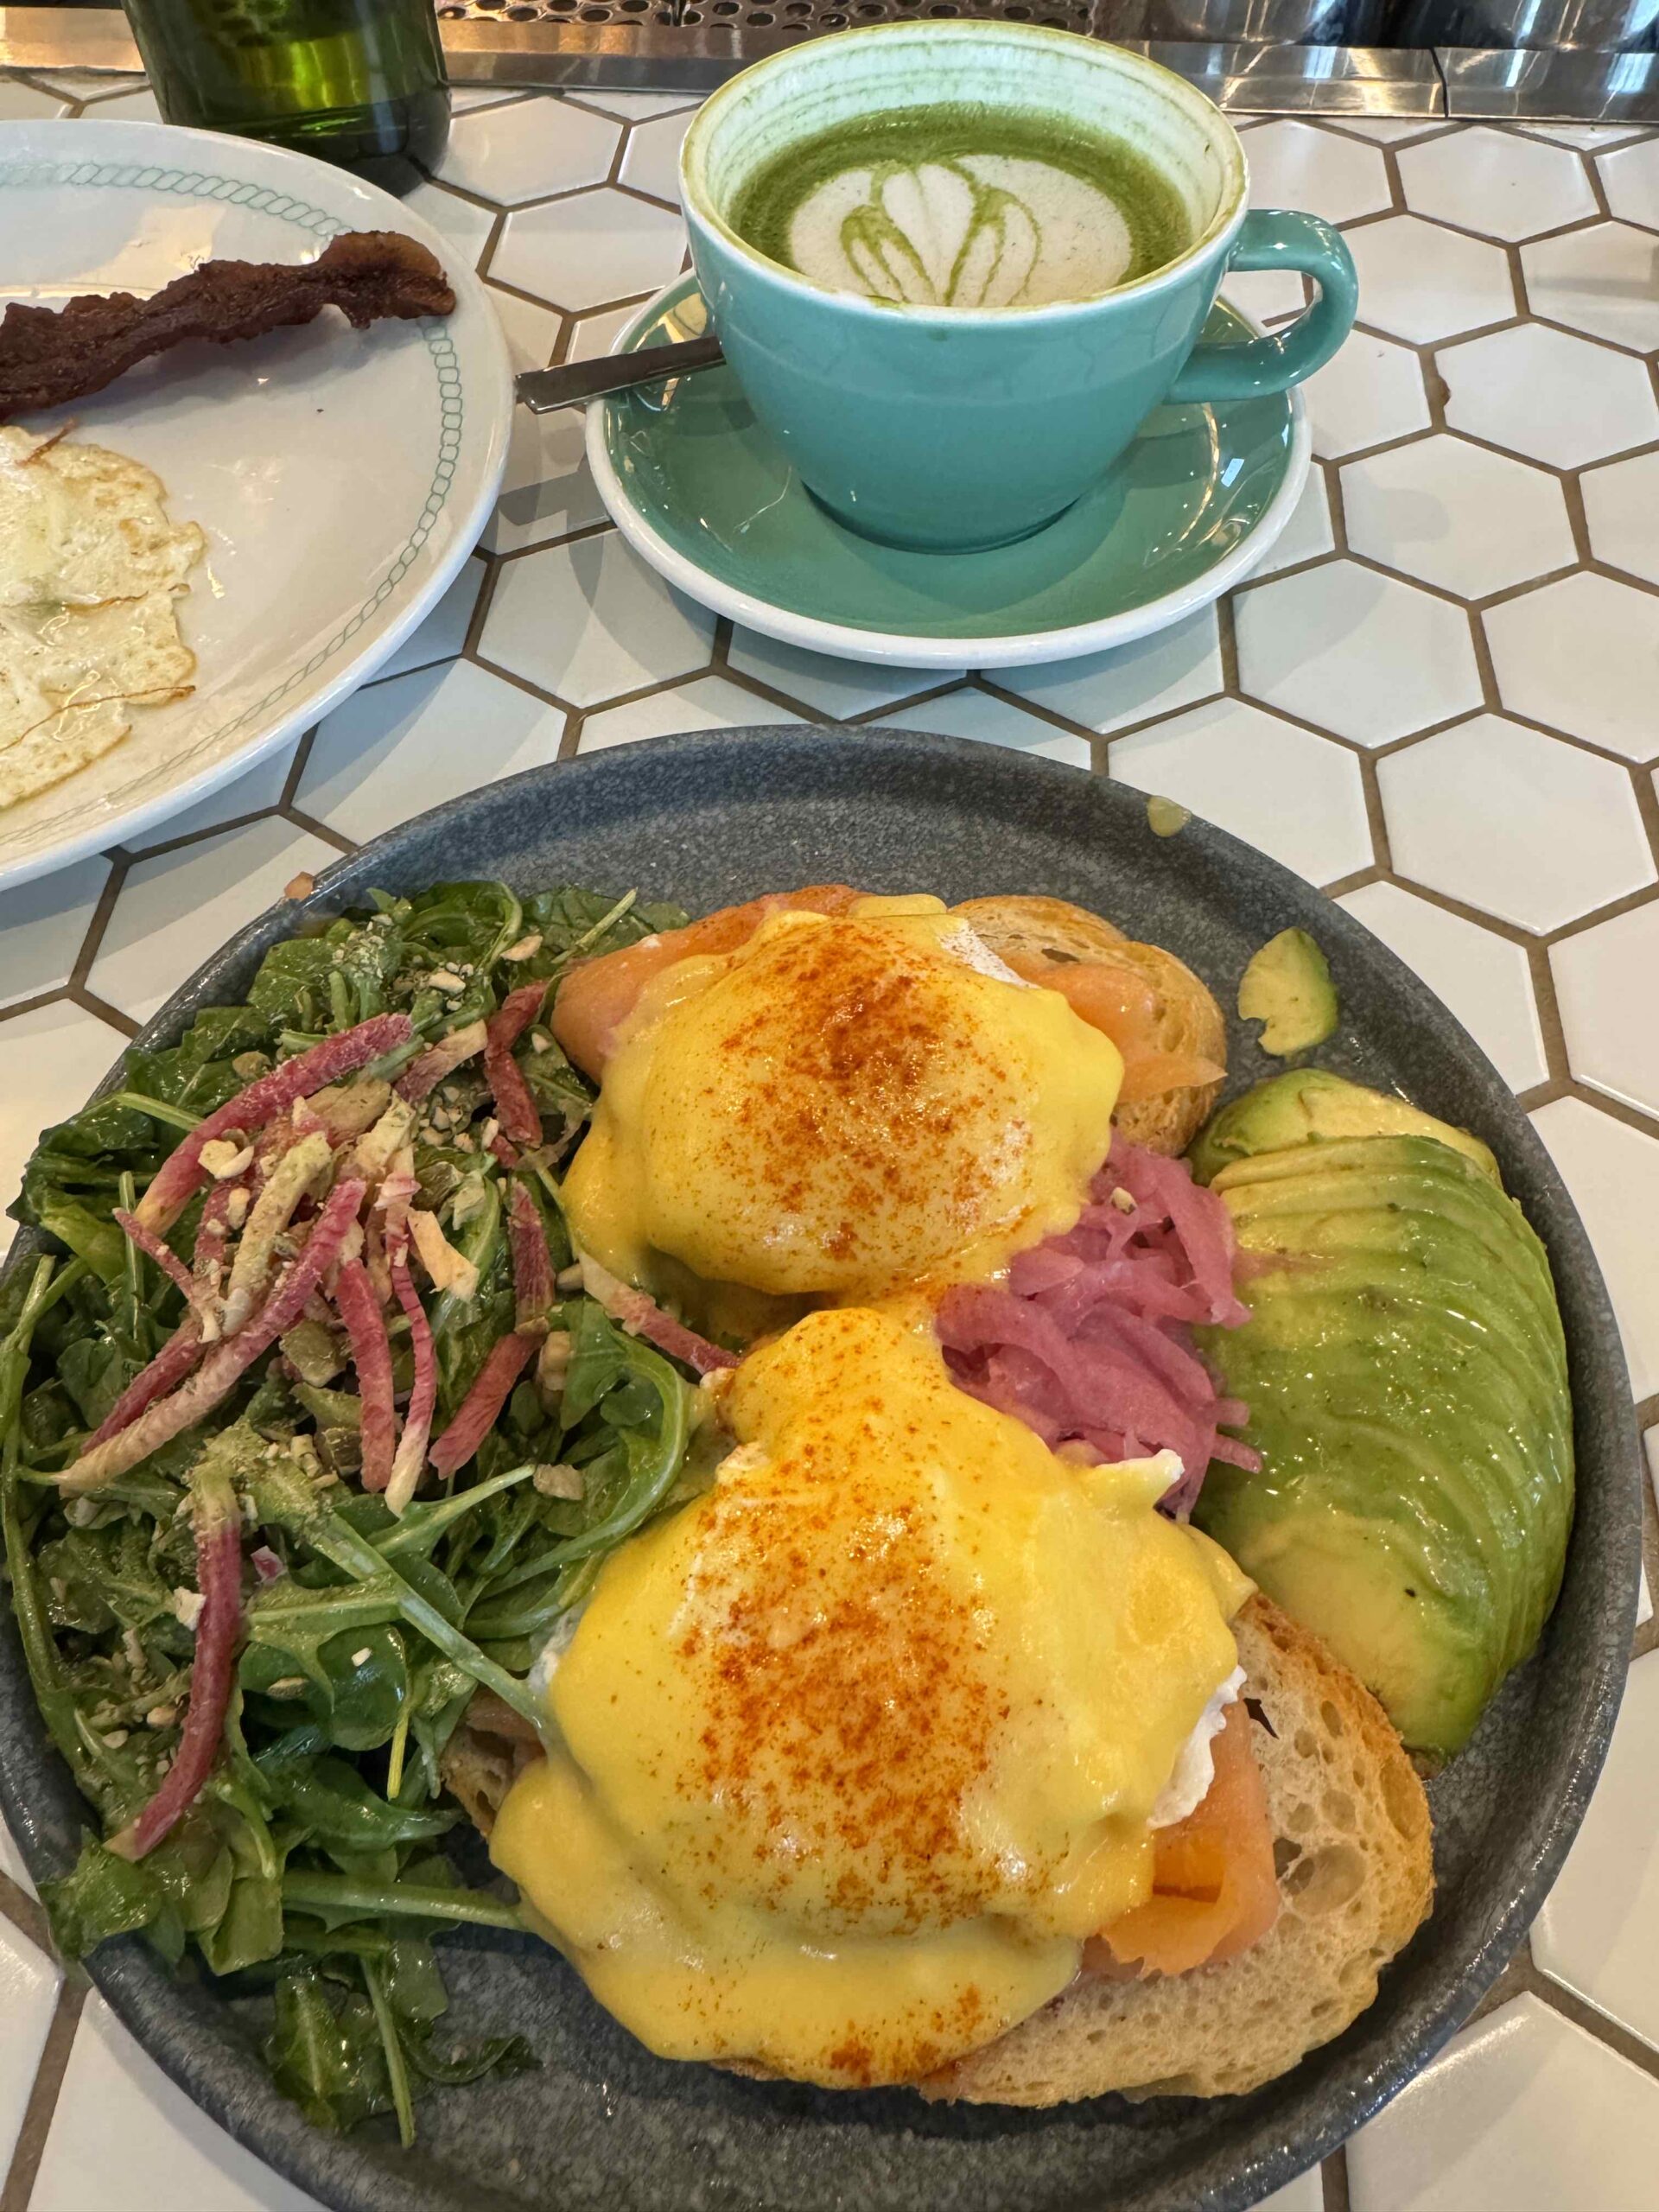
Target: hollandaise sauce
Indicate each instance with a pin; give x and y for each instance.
(850, 1756)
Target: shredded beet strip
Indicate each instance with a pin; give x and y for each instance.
(513, 1103)
(219, 1577)
(423, 1076)
(642, 1316)
(476, 1413)
(182, 1174)
(410, 1456)
(153, 1249)
(226, 1362)
(365, 1325)
(532, 1263)
(165, 1372)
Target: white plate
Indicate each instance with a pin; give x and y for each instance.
(342, 476)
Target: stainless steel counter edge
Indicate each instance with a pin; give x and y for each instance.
(1575, 85)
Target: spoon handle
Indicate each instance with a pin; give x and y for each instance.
(542, 390)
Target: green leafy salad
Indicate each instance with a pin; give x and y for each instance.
(309, 1430)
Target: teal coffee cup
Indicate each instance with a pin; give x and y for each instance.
(955, 402)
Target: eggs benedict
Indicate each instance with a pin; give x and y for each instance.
(848, 1759)
(837, 1107)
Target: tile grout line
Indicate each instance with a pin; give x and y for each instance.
(43, 2097)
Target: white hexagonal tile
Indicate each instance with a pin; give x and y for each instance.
(579, 253)
(1604, 281)
(1294, 165)
(23, 103)
(1419, 282)
(548, 490)
(1457, 516)
(174, 908)
(43, 925)
(1543, 393)
(1621, 505)
(443, 633)
(1369, 392)
(400, 747)
(596, 334)
(1611, 1172)
(463, 222)
(840, 688)
(707, 702)
(1598, 1929)
(66, 1052)
(463, 98)
(129, 107)
(1516, 823)
(528, 150)
(1305, 2194)
(28, 1996)
(1522, 2113)
(1294, 795)
(1582, 655)
(257, 792)
(1173, 668)
(1266, 295)
(1589, 138)
(1366, 656)
(1602, 976)
(1630, 179)
(12, 1866)
(531, 330)
(1306, 535)
(637, 106)
(976, 714)
(1481, 976)
(652, 161)
(589, 621)
(118, 2113)
(1496, 182)
(1386, 129)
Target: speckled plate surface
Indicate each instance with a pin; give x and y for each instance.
(604, 2127)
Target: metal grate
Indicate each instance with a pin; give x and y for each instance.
(803, 17)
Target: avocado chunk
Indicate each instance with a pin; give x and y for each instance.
(1306, 1106)
(1406, 1375)
(1288, 989)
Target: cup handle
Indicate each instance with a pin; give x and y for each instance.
(1275, 238)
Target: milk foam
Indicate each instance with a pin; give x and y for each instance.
(972, 231)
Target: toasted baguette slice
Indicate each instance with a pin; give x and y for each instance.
(1355, 1879)
(1188, 1020)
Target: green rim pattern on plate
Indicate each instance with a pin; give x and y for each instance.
(317, 222)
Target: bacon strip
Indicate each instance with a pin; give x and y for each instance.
(226, 1362)
(642, 1316)
(153, 1249)
(219, 1577)
(365, 1325)
(182, 1174)
(476, 1413)
(50, 356)
(423, 1076)
(410, 1456)
(514, 1103)
(532, 1263)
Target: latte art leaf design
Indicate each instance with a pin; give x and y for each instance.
(932, 234)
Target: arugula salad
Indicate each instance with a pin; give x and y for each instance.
(312, 1424)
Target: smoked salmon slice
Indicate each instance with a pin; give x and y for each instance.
(1123, 1007)
(1214, 1888)
(597, 996)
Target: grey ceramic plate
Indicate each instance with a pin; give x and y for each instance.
(714, 817)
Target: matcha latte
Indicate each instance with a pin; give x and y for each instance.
(963, 207)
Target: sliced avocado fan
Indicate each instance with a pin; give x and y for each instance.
(1406, 1374)
(1307, 1106)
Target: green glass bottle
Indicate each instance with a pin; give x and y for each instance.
(359, 83)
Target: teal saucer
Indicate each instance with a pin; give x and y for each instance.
(704, 495)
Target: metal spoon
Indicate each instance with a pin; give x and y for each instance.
(542, 390)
